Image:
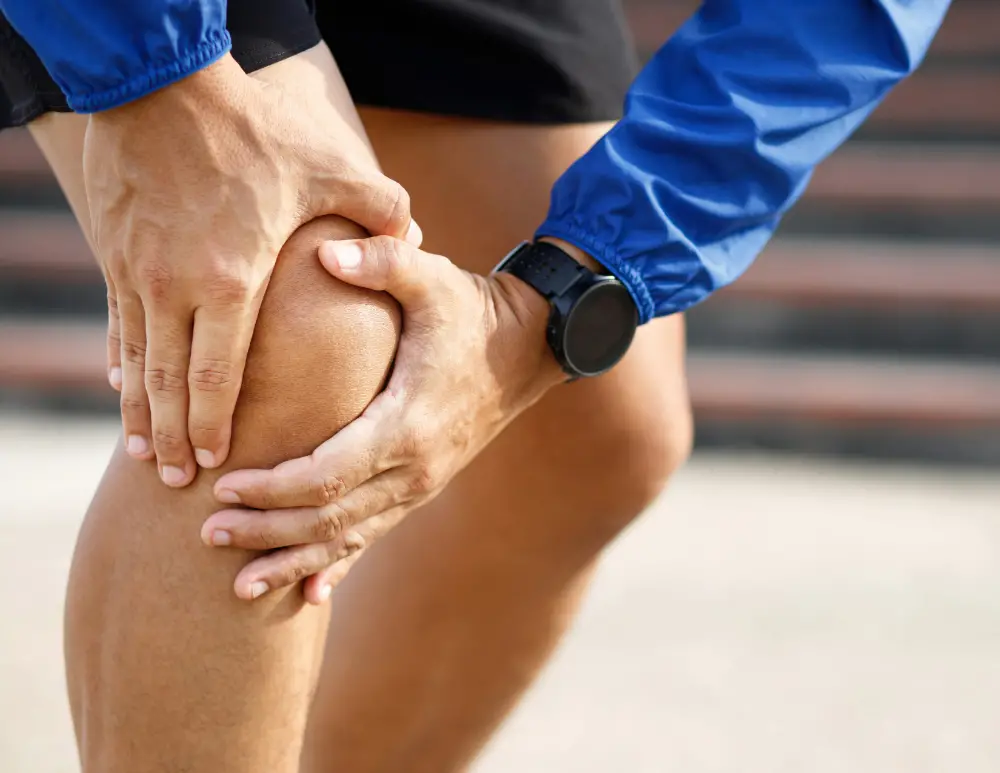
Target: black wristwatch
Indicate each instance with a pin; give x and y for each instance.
(593, 317)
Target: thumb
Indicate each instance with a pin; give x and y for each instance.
(410, 275)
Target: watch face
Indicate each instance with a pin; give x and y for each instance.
(600, 328)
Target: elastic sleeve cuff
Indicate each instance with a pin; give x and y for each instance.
(607, 257)
(156, 77)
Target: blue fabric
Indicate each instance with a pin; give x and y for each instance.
(721, 133)
(104, 53)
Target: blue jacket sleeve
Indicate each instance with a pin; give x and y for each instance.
(721, 133)
(104, 53)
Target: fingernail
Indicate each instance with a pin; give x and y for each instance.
(221, 538)
(258, 589)
(173, 476)
(115, 377)
(228, 497)
(348, 255)
(136, 445)
(414, 235)
(325, 593)
(204, 458)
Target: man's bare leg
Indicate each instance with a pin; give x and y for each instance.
(472, 593)
(441, 627)
(167, 670)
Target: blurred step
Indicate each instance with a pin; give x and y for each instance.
(926, 299)
(44, 246)
(844, 391)
(49, 248)
(884, 275)
(21, 162)
(725, 386)
(914, 178)
(47, 356)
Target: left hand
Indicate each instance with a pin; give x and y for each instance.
(472, 356)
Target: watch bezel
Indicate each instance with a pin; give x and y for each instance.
(566, 302)
(565, 308)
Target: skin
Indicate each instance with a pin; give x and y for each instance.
(438, 629)
(192, 191)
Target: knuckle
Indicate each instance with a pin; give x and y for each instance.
(394, 204)
(353, 542)
(210, 375)
(386, 251)
(167, 439)
(265, 538)
(293, 571)
(134, 352)
(425, 480)
(227, 284)
(330, 522)
(416, 443)
(130, 404)
(387, 203)
(113, 303)
(157, 278)
(164, 381)
(330, 488)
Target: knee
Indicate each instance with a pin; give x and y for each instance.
(642, 460)
(321, 351)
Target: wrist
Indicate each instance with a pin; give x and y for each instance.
(213, 85)
(527, 314)
(592, 317)
(576, 253)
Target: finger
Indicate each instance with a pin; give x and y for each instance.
(319, 586)
(167, 355)
(289, 566)
(114, 339)
(339, 465)
(379, 205)
(411, 276)
(218, 356)
(134, 401)
(270, 529)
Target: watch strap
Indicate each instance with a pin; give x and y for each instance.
(546, 268)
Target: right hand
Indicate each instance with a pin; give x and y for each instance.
(193, 190)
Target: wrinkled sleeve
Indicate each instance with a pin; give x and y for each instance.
(105, 53)
(721, 132)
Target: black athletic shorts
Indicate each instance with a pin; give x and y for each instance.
(526, 61)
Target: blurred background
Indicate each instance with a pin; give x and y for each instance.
(819, 590)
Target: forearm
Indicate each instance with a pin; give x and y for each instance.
(105, 53)
(721, 133)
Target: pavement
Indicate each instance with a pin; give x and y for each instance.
(769, 614)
